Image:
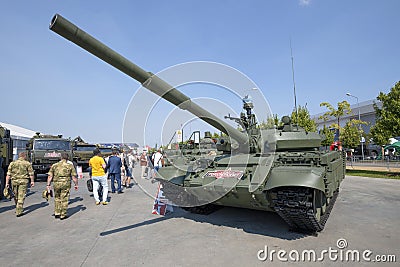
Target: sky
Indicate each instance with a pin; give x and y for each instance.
(50, 85)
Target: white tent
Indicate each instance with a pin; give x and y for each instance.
(17, 131)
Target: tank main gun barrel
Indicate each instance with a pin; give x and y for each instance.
(150, 81)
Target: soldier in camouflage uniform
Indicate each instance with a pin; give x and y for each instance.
(61, 173)
(20, 171)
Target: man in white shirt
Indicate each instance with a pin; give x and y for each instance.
(158, 160)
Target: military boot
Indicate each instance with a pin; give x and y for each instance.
(19, 211)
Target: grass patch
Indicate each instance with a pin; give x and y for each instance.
(374, 174)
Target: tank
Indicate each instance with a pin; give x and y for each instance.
(280, 170)
(6, 156)
(44, 150)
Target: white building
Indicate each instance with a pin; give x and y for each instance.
(20, 137)
(367, 114)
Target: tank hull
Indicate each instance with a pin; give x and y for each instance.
(301, 183)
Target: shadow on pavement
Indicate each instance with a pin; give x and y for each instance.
(34, 207)
(75, 199)
(72, 211)
(134, 226)
(4, 209)
(30, 193)
(251, 221)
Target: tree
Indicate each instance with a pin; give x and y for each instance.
(351, 133)
(303, 119)
(271, 122)
(326, 132)
(329, 136)
(388, 117)
(342, 109)
(215, 135)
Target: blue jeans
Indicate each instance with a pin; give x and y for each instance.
(97, 180)
(113, 177)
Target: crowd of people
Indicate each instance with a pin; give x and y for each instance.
(118, 168)
(151, 163)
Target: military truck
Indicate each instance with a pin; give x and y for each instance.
(82, 152)
(45, 150)
(105, 151)
(6, 156)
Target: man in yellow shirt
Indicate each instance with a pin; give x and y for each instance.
(99, 176)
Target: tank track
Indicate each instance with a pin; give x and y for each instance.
(295, 206)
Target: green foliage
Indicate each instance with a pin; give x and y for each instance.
(388, 117)
(368, 138)
(329, 136)
(351, 133)
(342, 109)
(380, 135)
(304, 119)
(271, 122)
(215, 135)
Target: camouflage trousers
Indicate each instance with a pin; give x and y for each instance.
(19, 187)
(61, 197)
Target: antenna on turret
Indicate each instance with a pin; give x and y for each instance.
(294, 84)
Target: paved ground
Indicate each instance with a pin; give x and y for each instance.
(125, 232)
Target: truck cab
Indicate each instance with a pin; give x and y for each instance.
(45, 150)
